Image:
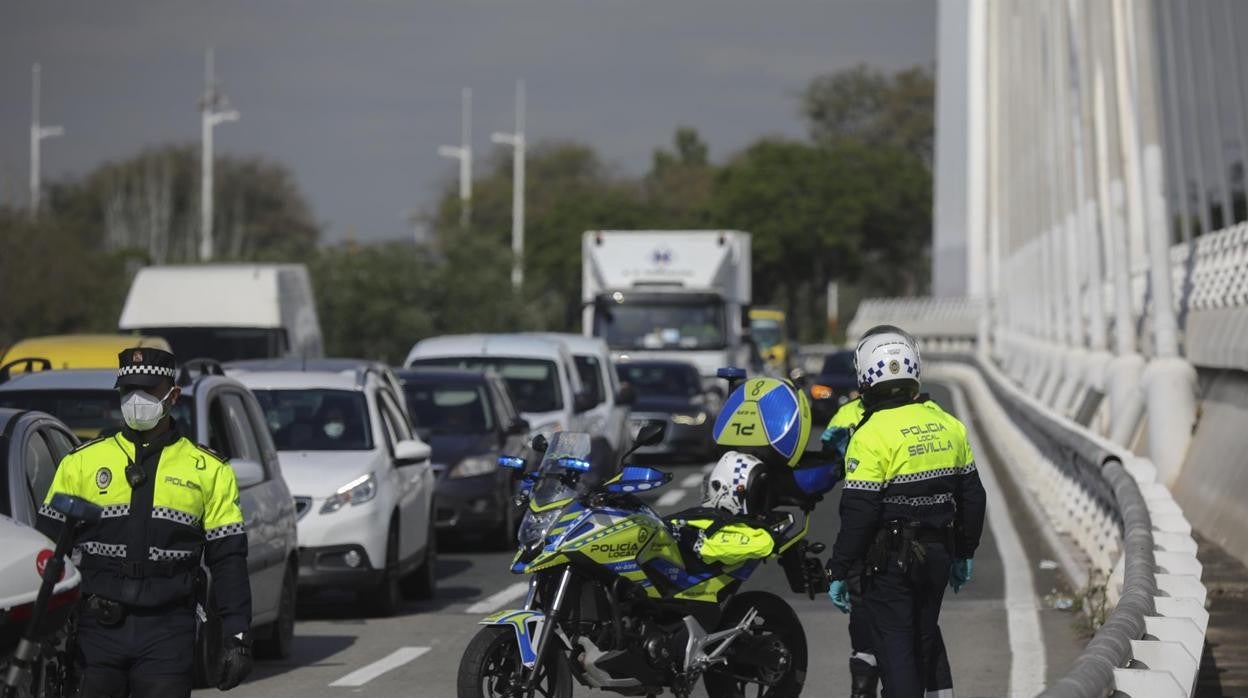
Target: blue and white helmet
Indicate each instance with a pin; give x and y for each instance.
(729, 485)
(884, 357)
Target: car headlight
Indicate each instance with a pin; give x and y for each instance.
(358, 491)
(473, 466)
(691, 419)
(536, 526)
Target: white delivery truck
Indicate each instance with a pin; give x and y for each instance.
(226, 312)
(669, 294)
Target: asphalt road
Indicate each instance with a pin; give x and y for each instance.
(416, 653)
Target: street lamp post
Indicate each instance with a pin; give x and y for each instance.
(38, 132)
(463, 153)
(214, 111)
(516, 141)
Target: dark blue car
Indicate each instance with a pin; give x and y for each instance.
(469, 420)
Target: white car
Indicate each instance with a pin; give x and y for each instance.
(362, 482)
(608, 418)
(539, 370)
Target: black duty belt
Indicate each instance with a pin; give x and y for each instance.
(140, 569)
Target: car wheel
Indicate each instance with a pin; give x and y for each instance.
(385, 599)
(504, 537)
(423, 583)
(279, 641)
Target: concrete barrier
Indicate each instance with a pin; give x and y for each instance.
(1103, 498)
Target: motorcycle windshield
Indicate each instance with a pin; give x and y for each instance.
(552, 486)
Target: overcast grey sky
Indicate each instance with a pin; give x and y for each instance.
(356, 96)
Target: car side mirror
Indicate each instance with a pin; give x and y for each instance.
(411, 452)
(583, 401)
(626, 394)
(518, 427)
(249, 473)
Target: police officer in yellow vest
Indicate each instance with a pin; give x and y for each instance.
(168, 503)
(912, 513)
(863, 667)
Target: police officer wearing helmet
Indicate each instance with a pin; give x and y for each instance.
(912, 513)
(168, 503)
(863, 667)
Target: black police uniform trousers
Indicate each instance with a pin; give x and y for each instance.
(148, 655)
(904, 611)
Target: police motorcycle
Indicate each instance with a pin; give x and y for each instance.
(35, 660)
(621, 600)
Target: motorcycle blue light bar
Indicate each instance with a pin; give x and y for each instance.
(576, 464)
(511, 462)
(731, 373)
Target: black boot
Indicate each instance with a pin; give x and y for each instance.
(863, 679)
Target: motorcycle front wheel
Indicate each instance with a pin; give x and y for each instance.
(776, 623)
(491, 668)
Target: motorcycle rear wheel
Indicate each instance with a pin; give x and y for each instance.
(777, 619)
(491, 668)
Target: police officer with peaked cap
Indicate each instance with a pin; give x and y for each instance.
(168, 504)
(912, 513)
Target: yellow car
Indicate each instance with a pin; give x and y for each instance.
(72, 351)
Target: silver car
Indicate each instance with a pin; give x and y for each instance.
(217, 412)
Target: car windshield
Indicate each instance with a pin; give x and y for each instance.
(534, 383)
(552, 485)
(766, 333)
(89, 413)
(670, 380)
(591, 377)
(317, 419)
(840, 363)
(448, 407)
(667, 324)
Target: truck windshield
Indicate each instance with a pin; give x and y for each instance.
(661, 324)
(766, 333)
(223, 343)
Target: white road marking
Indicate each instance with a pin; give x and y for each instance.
(496, 601)
(694, 480)
(394, 660)
(670, 498)
(1027, 656)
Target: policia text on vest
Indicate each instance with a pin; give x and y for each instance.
(168, 504)
(912, 505)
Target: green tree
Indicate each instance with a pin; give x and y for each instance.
(150, 203)
(373, 301)
(866, 106)
(52, 283)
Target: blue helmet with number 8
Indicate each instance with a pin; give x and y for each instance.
(767, 418)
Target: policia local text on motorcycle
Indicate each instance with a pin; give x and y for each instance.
(167, 504)
(912, 513)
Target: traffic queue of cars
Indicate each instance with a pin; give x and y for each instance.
(348, 470)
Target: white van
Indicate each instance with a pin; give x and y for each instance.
(539, 371)
(226, 311)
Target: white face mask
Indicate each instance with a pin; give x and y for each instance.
(142, 411)
(334, 429)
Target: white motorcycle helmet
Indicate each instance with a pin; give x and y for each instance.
(731, 483)
(887, 357)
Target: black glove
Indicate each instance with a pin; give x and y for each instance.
(235, 661)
